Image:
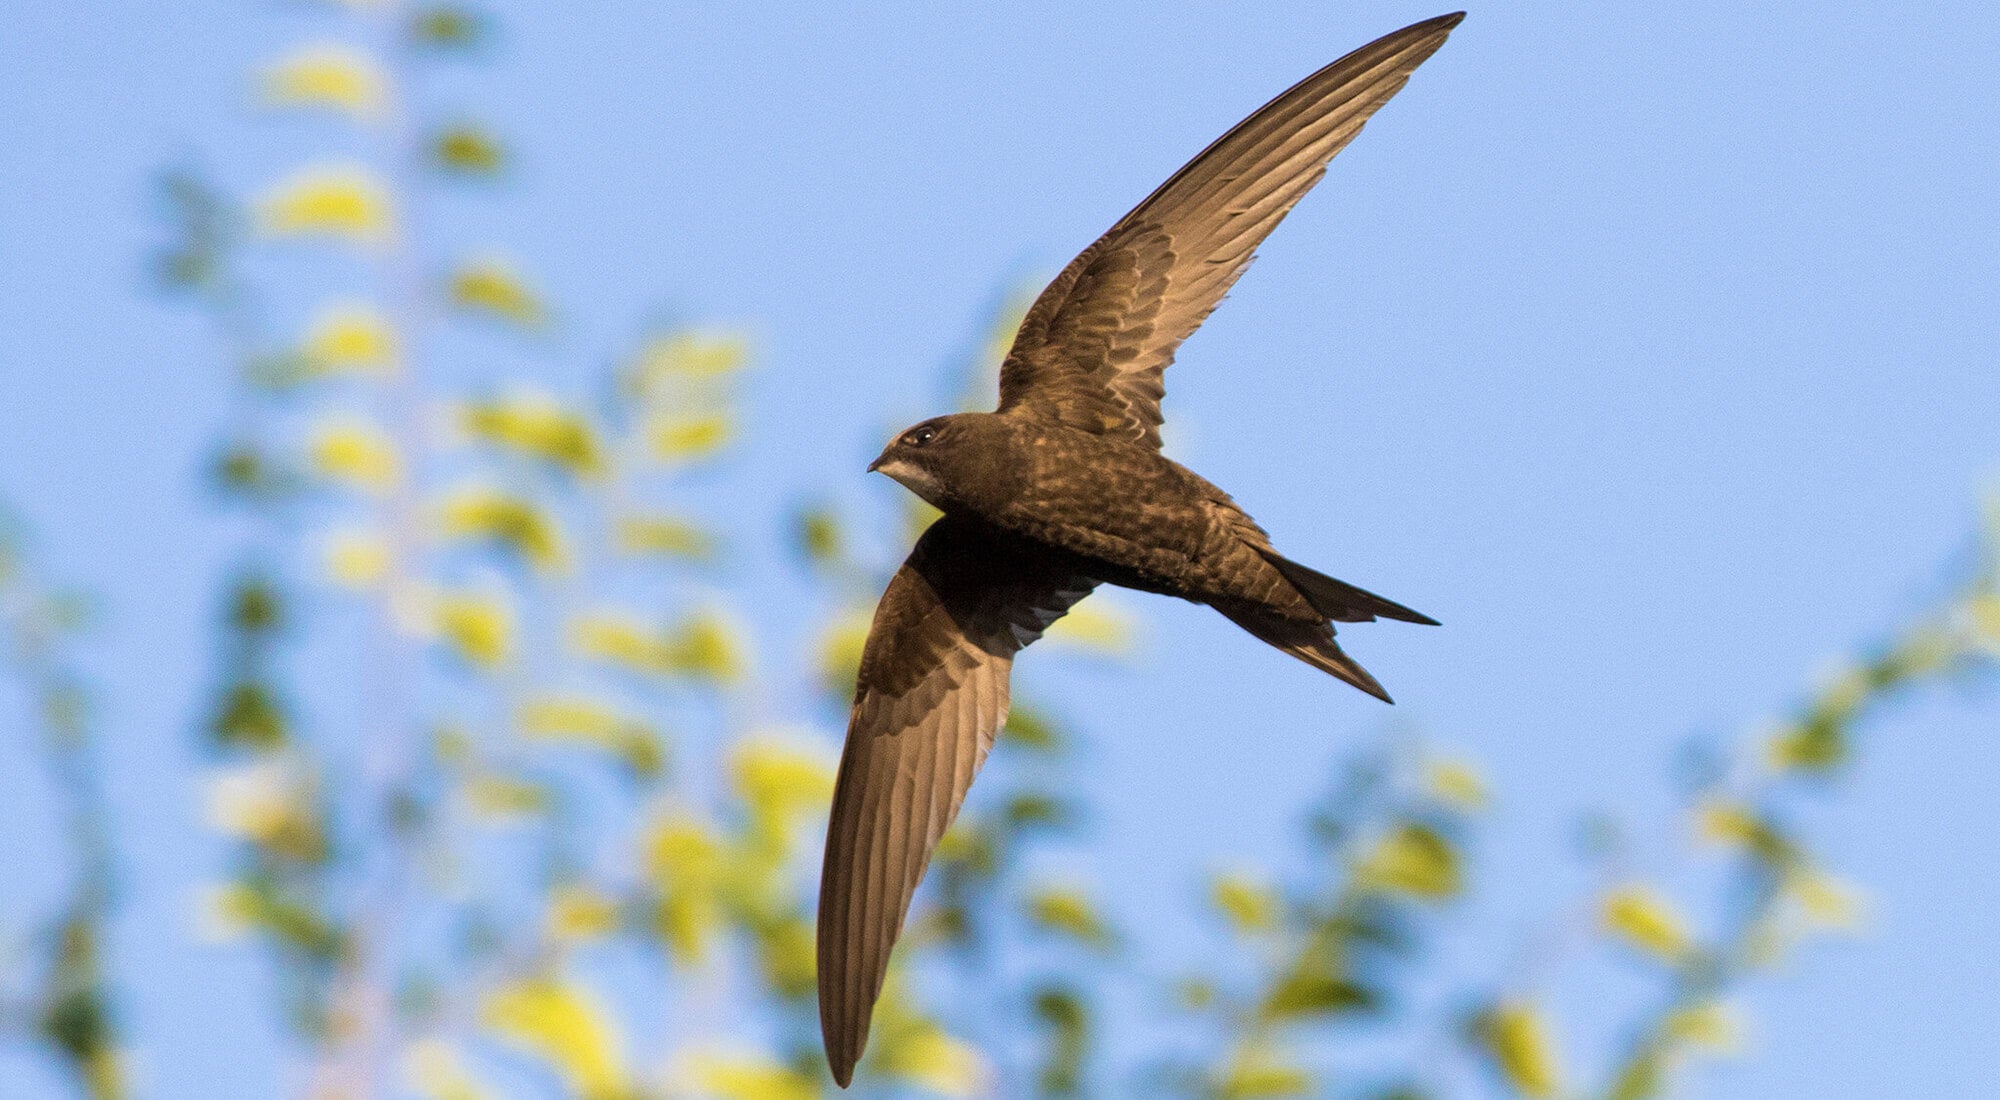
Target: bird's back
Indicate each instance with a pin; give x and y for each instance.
(1144, 520)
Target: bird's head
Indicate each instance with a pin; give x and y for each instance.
(950, 461)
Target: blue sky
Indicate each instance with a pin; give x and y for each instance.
(1651, 348)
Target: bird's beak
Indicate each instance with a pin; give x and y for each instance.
(879, 460)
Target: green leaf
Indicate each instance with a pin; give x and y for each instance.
(244, 471)
(1303, 995)
(1069, 912)
(1818, 744)
(704, 646)
(1641, 1077)
(817, 534)
(467, 150)
(1032, 809)
(448, 27)
(249, 717)
(1250, 904)
(256, 607)
(1029, 728)
(1061, 1011)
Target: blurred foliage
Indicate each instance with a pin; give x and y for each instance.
(483, 722)
(68, 1002)
(487, 737)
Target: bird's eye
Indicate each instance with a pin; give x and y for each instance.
(922, 436)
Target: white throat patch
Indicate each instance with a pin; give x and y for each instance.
(914, 478)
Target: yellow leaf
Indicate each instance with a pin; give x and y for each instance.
(480, 628)
(1984, 612)
(1827, 900)
(349, 339)
(250, 801)
(104, 1073)
(1257, 1069)
(840, 651)
(780, 781)
(704, 646)
(517, 523)
(357, 453)
(452, 745)
(500, 797)
(1714, 1027)
(1846, 687)
(790, 963)
(685, 861)
(538, 426)
(579, 719)
(563, 1024)
(728, 1075)
(326, 75)
(492, 286)
(615, 639)
(227, 913)
(966, 842)
(1640, 916)
(930, 1059)
(670, 362)
(269, 803)
(334, 201)
(1250, 905)
(689, 438)
(435, 1070)
(357, 559)
(1726, 823)
(665, 536)
(1518, 1038)
(1411, 859)
(1070, 911)
(1456, 784)
(579, 913)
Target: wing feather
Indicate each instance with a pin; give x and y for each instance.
(930, 697)
(1094, 348)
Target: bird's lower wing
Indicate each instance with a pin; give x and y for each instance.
(930, 697)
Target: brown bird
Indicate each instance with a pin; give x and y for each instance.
(1064, 488)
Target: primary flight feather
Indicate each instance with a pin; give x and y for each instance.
(1064, 488)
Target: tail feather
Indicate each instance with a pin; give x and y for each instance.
(1340, 601)
(1311, 642)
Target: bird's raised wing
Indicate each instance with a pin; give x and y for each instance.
(1093, 348)
(930, 697)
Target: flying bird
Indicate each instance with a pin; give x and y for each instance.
(1064, 488)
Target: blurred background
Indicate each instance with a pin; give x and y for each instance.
(436, 548)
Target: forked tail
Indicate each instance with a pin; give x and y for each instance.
(1340, 601)
(1311, 642)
